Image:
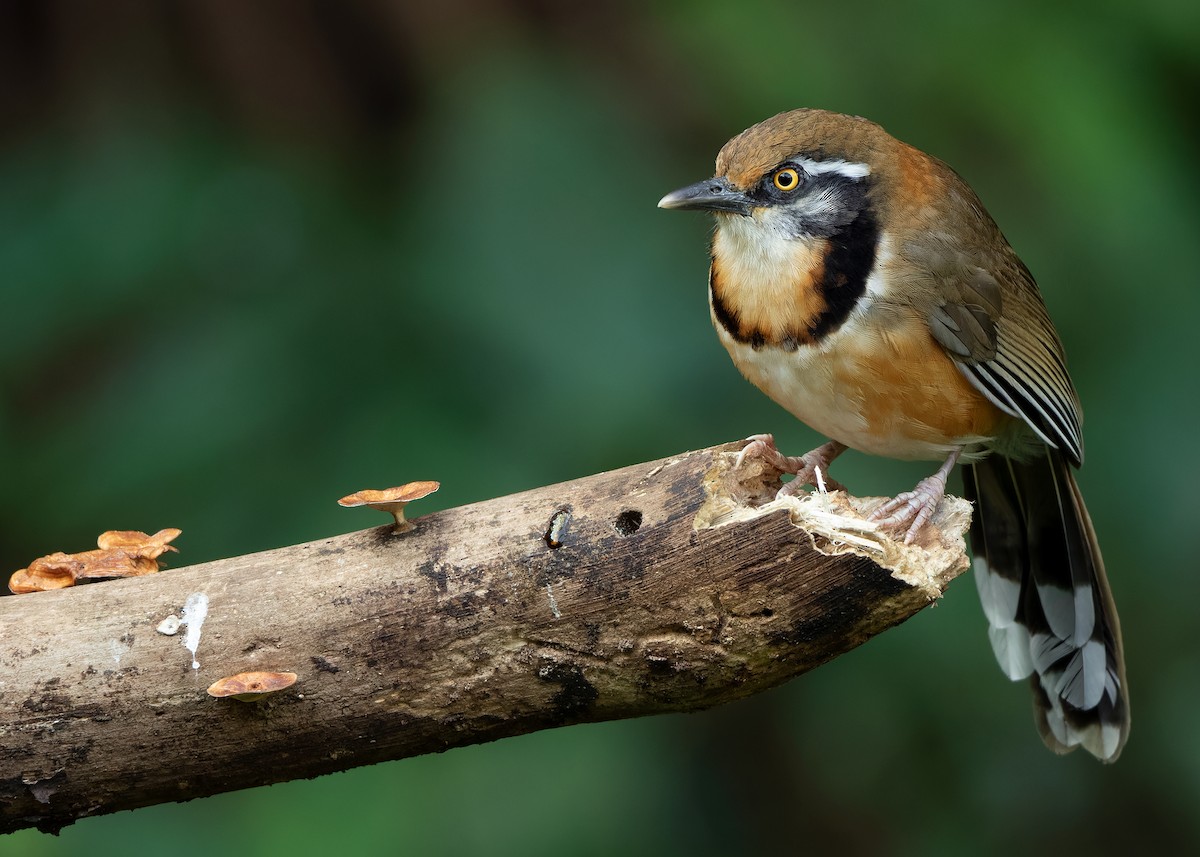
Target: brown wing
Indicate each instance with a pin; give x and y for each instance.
(994, 325)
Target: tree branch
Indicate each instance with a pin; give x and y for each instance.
(669, 586)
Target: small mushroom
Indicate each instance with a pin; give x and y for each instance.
(127, 553)
(391, 500)
(56, 571)
(120, 553)
(136, 542)
(251, 686)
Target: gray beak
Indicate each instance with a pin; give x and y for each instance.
(715, 194)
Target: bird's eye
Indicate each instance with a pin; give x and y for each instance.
(786, 179)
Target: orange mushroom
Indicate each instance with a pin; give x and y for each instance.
(127, 553)
(391, 500)
(55, 571)
(138, 542)
(120, 553)
(251, 686)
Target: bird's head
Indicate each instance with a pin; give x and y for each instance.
(805, 174)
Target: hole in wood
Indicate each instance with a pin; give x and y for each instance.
(627, 522)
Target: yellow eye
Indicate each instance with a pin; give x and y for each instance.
(787, 179)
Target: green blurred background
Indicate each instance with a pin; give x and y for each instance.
(254, 256)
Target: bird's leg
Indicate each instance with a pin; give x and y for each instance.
(910, 511)
(805, 467)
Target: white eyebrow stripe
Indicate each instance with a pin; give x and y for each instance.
(842, 168)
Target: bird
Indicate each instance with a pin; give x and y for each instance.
(861, 284)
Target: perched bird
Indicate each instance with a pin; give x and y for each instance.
(860, 284)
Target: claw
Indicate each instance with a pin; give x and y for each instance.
(762, 446)
(908, 512)
(804, 467)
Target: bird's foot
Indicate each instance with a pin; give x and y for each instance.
(812, 468)
(907, 513)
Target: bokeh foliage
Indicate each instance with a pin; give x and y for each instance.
(255, 256)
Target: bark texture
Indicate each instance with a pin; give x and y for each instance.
(668, 586)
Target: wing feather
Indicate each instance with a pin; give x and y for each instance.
(992, 322)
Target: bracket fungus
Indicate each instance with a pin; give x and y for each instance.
(391, 500)
(119, 553)
(251, 686)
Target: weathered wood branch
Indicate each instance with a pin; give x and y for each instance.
(667, 586)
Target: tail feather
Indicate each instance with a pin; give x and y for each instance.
(1042, 584)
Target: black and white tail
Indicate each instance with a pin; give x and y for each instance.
(1041, 580)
